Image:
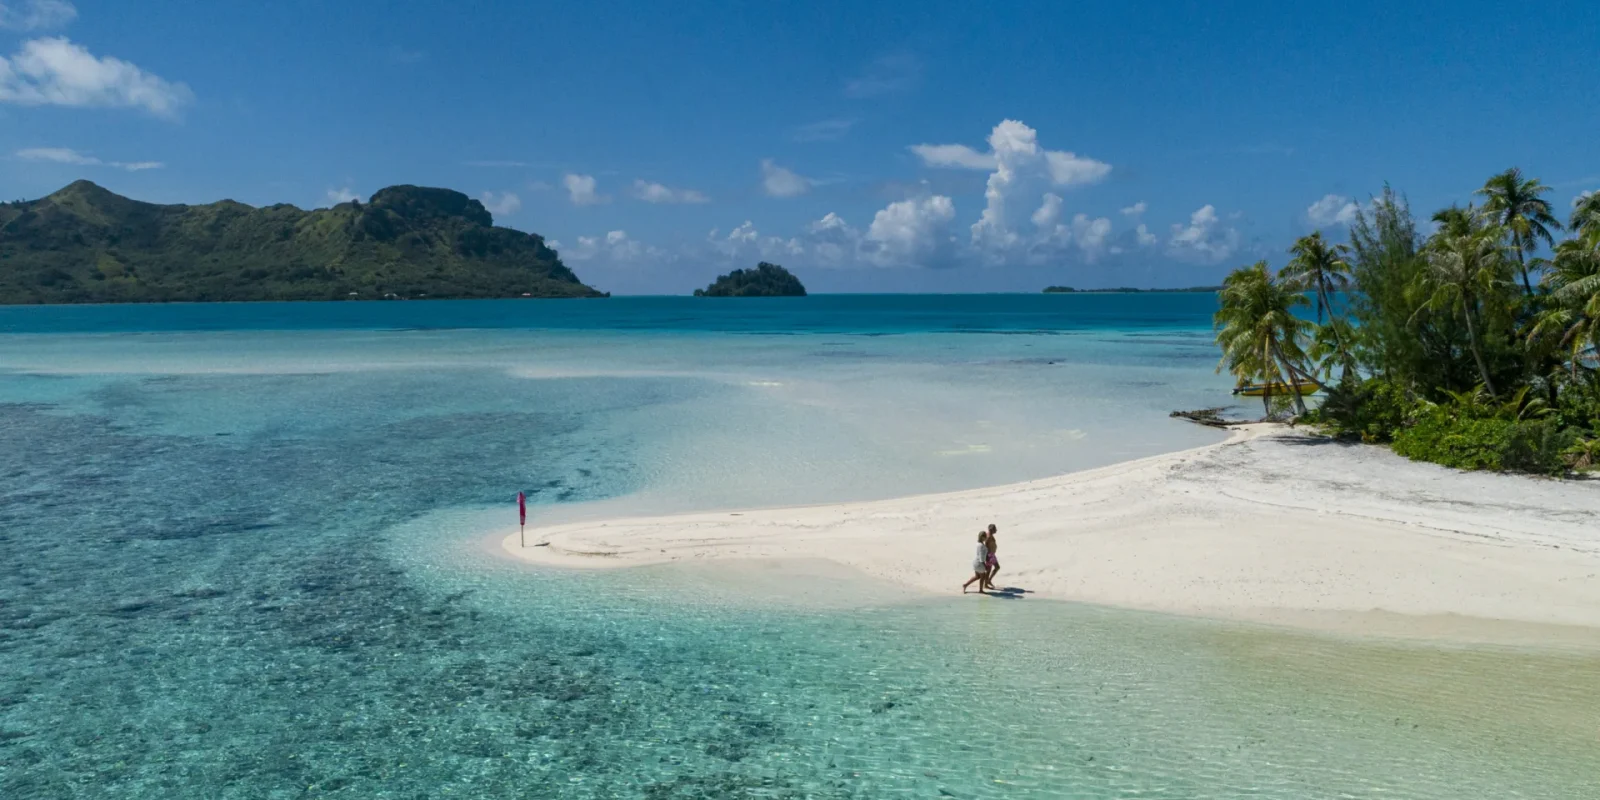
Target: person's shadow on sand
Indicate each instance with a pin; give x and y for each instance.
(1009, 592)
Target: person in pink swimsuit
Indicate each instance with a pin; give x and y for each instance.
(993, 562)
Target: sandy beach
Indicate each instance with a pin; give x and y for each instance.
(1271, 525)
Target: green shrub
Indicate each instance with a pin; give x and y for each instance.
(1443, 435)
(1584, 454)
(1540, 446)
(1440, 436)
(1372, 411)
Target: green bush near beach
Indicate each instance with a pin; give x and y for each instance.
(1466, 346)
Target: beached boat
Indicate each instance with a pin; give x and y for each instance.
(1277, 388)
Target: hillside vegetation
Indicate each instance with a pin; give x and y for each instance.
(85, 244)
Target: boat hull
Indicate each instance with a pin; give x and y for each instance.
(1277, 388)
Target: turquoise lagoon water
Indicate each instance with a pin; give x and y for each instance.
(243, 557)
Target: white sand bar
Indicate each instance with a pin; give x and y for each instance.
(1271, 524)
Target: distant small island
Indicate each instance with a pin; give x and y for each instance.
(1125, 289)
(86, 244)
(766, 280)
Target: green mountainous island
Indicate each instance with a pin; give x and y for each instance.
(766, 280)
(85, 244)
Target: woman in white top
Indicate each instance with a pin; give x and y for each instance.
(993, 564)
(980, 564)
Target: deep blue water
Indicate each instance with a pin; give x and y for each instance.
(815, 314)
(238, 560)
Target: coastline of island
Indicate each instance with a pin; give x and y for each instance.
(1264, 527)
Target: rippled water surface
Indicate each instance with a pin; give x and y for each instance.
(248, 562)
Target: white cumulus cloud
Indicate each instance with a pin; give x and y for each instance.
(502, 204)
(1023, 171)
(1144, 237)
(615, 247)
(781, 182)
(64, 155)
(1013, 144)
(1135, 210)
(35, 15)
(833, 241)
(583, 190)
(913, 232)
(657, 193)
(1091, 235)
(1332, 209)
(745, 243)
(1204, 240)
(55, 71)
(1049, 212)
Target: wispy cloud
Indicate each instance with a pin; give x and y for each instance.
(402, 55)
(953, 155)
(57, 72)
(657, 193)
(36, 15)
(782, 182)
(1266, 149)
(337, 196)
(507, 164)
(64, 155)
(827, 130)
(896, 72)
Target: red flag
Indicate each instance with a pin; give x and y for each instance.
(522, 509)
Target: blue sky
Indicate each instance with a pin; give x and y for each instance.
(926, 146)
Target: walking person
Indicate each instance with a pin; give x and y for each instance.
(980, 565)
(992, 561)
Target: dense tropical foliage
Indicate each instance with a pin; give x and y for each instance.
(1462, 346)
(84, 244)
(766, 280)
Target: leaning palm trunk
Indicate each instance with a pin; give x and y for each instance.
(1477, 352)
(1293, 376)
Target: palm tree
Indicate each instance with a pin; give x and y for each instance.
(1585, 213)
(1458, 221)
(1323, 268)
(1513, 203)
(1330, 346)
(1574, 284)
(1320, 267)
(1462, 271)
(1261, 338)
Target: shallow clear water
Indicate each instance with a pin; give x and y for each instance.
(248, 563)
